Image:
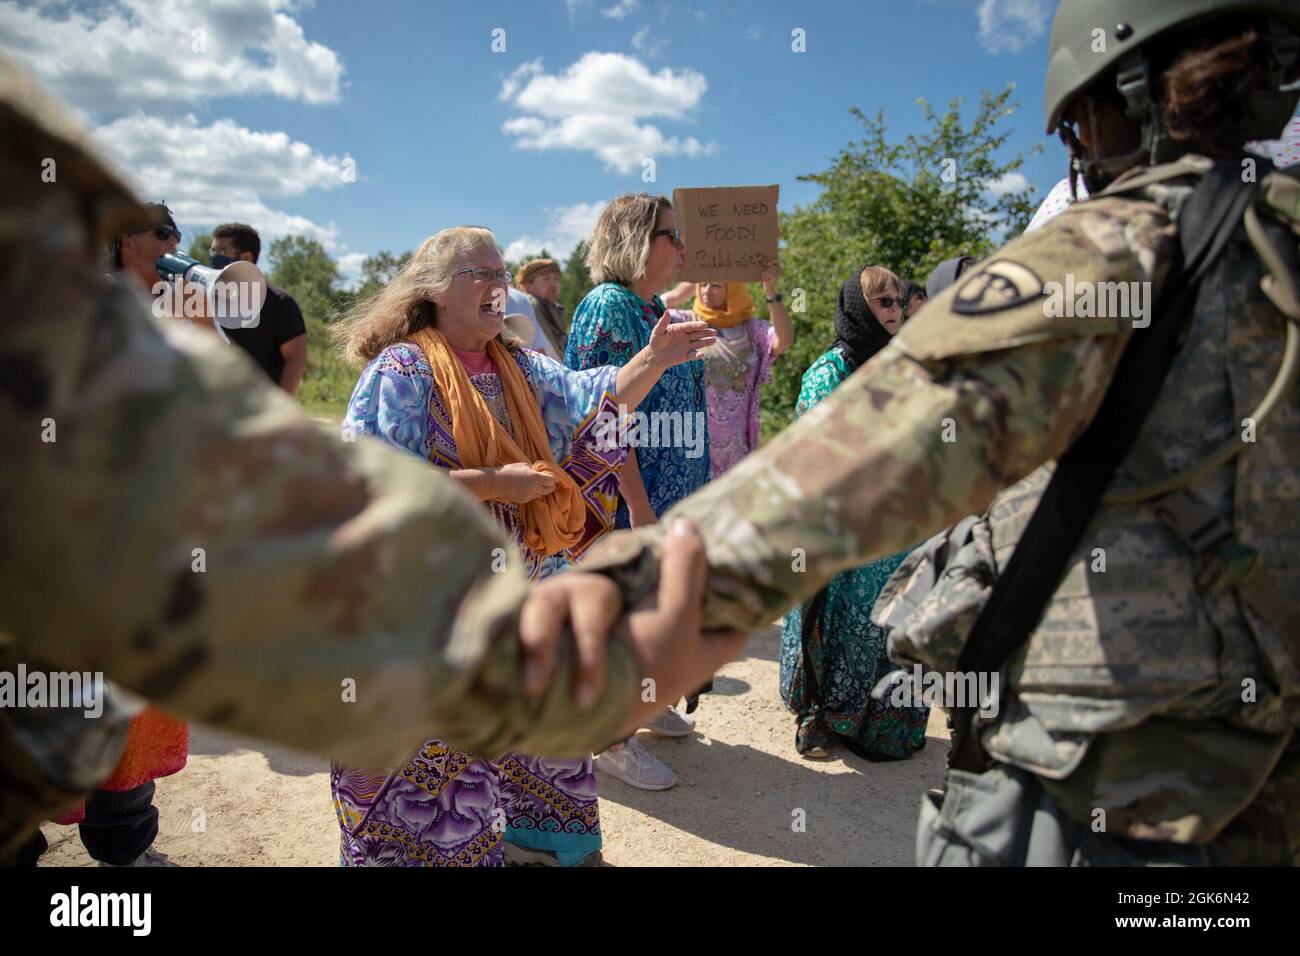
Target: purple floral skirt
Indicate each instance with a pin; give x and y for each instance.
(446, 807)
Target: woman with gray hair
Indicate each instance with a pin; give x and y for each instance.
(635, 250)
(527, 437)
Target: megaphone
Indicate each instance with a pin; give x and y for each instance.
(235, 295)
(532, 336)
(522, 326)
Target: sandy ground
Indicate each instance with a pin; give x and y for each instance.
(244, 804)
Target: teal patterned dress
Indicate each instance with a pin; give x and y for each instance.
(847, 651)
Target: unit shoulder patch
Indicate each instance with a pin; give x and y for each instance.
(996, 286)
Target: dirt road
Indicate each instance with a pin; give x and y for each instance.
(738, 803)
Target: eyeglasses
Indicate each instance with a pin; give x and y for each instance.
(163, 233)
(674, 234)
(484, 275)
(888, 302)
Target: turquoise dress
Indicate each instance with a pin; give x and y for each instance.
(847, 651)
(610, 326)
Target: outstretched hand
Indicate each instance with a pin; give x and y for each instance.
(672, 343)
(663, 631)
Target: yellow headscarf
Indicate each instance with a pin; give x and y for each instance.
(739, 307)
(552, 522)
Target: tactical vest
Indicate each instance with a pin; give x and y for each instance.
(1142, 692)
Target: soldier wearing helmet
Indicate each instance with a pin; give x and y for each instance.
(1110, 401)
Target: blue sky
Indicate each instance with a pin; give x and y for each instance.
(262, 110)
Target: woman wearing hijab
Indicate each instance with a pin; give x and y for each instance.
(529, 438)
(831, 654)
(739, 363)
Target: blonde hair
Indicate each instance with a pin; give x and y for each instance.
(876, 279)
(620, 242)
(392, 313)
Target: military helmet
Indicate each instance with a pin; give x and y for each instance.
(1091, 37)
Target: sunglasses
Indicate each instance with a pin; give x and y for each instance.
(888, 302)
(163, 233)
(674, 234)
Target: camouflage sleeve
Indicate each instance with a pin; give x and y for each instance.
(171, 519)
(992, 379)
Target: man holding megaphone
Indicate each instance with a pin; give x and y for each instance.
(184, 288)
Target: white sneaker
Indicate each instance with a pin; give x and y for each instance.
(632, 764)
(670, 723)
(149, 857)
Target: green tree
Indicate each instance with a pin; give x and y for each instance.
(907, 206)
(378, 270)
(306, 270)
(199, 248)
(575, 280)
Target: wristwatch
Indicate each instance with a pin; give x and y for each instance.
(777, 298)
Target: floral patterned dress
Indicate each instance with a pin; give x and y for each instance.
(611, 324)
(446, 807)
(847, 651)
(735, 369)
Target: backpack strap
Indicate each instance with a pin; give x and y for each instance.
(1207, 220)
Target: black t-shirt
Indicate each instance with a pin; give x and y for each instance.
(281, 321)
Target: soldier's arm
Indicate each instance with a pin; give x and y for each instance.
(176, 522)
(959, 406)
(170, 518)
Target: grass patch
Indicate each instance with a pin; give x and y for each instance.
(328, 382)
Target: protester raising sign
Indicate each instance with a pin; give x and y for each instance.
(730, 231)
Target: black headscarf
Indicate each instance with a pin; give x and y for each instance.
(857, 332)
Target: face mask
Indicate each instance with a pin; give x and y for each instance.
(220, 262)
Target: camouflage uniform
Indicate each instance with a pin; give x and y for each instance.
(325, 560)
(1128, 695)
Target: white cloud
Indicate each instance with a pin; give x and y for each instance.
(620, 9)
(1008, 26)
(510, 85)
(1009, 183)
(643, 44)
(129, 54)
(597, 105)
(220, 172)
(350, 269)
(567, 226)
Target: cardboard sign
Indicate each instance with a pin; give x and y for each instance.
(730, 232)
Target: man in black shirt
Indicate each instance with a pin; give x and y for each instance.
(279, 342)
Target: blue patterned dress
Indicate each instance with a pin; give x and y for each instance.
(611, 324)
(846, 649)
(446, 807)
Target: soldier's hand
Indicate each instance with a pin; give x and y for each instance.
(663, 631)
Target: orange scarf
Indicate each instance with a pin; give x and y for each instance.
(552, 523)
(739, 307)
